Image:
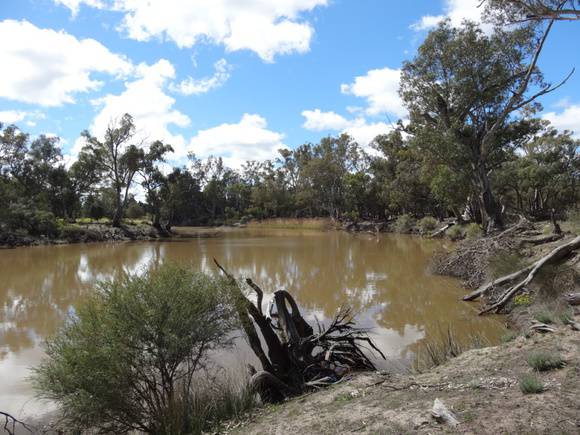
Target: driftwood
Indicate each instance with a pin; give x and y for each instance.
(572, 298)
(11, 423)
(541, 327)
(554, 256)
(442, 231)
(298, 359)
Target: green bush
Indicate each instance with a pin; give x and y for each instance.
(35, 222)
(544, 361)
(544, 317)
(473, 231)
(128, 357)
(404, 223)
(531, 384)
(428, 224)
(455, 233)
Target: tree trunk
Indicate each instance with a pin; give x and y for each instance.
(491, 214)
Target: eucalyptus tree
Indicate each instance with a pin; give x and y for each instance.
(118, 158)
(534, 10)
(470, 98)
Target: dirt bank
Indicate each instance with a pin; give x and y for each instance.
(481, 387)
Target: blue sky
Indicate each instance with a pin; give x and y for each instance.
(236, 78)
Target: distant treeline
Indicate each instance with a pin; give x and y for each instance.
(472, 147)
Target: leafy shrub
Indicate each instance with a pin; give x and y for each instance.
(455, 233)
(473, 231)
(544, 361)
(522, 300)
(35, 222)
(403, 224)
(428, 224)
(531, 384)
(544, 317)
(126, 360)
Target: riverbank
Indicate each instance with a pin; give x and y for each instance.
(481, 387)
(83, 233)
(528, 384)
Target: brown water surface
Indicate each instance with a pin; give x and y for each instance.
(384, 278)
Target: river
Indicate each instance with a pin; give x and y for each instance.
(385, 278)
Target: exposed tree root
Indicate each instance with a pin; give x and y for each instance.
(554, 256)
(298, 359)
(572, 298)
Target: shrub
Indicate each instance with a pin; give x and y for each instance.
(455, 233)
(522, 300)
(473, 231)
(531, 384)
(427, 224)
(544, 361)
(510, 336)
(122, 362)
(403, 224)
(544, 317)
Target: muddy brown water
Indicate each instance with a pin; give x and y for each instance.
(385, 278)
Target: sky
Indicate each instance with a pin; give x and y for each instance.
(232, 78)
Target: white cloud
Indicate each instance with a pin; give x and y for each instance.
(359, 128)
(568, 119)
(266, 27)
(47, 67)
(457, 11)
(317, 120)
(248, 139)
(191, 86)
(16, 116)
(12, 116)
(380, 87)
(146, 100)
(74, 5)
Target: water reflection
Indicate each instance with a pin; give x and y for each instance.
(385, 279)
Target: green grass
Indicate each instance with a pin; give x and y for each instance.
(473, 231)
(545, 361)
(567, 317)
(455, 233)
(531, 384)
(427, 224)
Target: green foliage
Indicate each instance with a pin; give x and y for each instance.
(503, 263)
(473, 231)
(404, 224)
(545, 361)
(531, 384)
(455, 233)
(522, 300)
(428, 224)
(122, 362)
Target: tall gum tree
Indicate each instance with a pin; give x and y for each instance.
(470, 96)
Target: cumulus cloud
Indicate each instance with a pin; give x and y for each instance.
(191, 86)
(316, 120)
(268, 28)
(380, 87)
(18, 116)
(359, 128)
(457, 11)
(145, 98)
(568, 119)
(248, 139)
(49, 67)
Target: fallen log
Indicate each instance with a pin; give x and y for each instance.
(541, 240)
(495, 283)
(298, 359)
(441, 231)
(554, 256)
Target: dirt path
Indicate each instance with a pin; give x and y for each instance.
(480, 387)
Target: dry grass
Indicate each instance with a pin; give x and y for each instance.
(293, 223)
